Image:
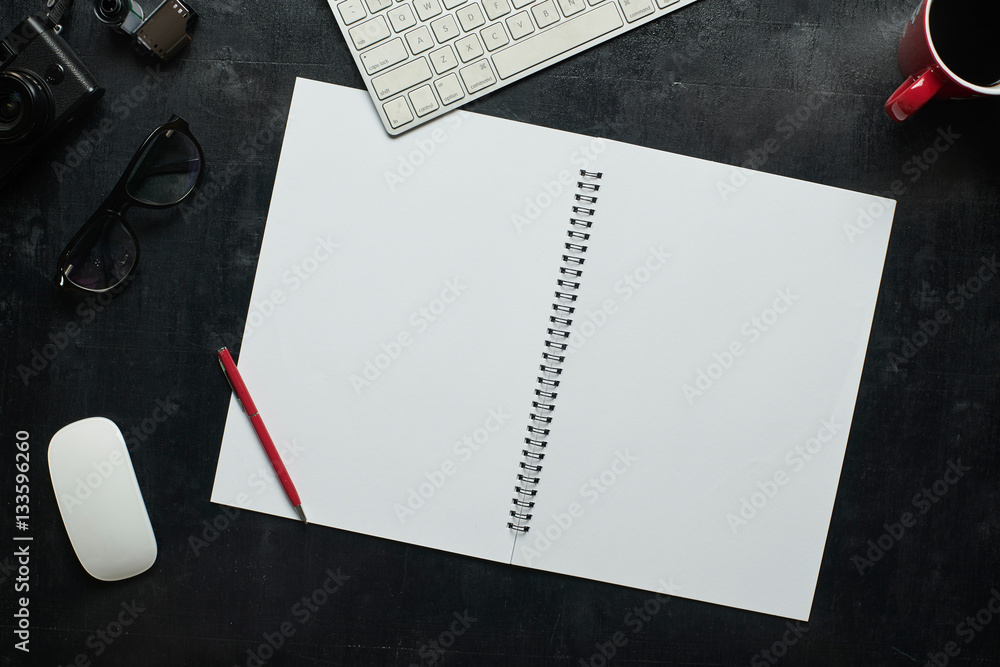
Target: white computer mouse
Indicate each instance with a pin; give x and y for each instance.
(100, 501)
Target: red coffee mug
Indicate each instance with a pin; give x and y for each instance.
(948, 51)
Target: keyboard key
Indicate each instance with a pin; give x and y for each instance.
(423, 100)
(636, 9)
(369, 32)
(384, 56)
(469, 48)
(570, 34)
(520, 25)
(477, 76)
(443, 60)
(545, 13)
(402, 18)
(427, 9)
(570, 7)
(375, 6)
(666, 3)
(351, 11)
(449, 89)
(401, 78)
(397, 112)
(494, 37)
(524, 3)
(445, 28)
(451, 4)
(496, 8)
(419, 40)
(471, 17)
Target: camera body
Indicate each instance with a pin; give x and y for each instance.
(43, 88)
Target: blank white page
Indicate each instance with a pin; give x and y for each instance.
(398, 366)
(693, 378)
(397, 323)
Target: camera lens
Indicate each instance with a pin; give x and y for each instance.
(11, 109)
(23, 107)
(112, 11)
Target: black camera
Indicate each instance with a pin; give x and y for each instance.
(43, 88)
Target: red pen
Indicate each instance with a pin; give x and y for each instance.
(243, 396)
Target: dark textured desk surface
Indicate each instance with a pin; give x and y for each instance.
(719, 80)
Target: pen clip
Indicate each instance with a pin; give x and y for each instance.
(225, 373)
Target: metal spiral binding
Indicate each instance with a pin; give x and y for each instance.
(553, 354)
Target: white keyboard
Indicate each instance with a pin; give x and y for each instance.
(423, 58)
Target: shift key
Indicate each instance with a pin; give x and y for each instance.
(401, 78)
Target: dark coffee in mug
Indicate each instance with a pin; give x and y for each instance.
(966, 34)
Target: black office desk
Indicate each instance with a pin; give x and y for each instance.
(798, 84)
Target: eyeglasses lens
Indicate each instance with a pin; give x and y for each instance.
(167, 170)
(103, 257)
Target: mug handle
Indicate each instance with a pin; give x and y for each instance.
(913, 94)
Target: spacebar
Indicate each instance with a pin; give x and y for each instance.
(567, 35)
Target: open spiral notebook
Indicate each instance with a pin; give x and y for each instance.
(556, 351)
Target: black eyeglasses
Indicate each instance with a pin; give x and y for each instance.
(164, 171)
